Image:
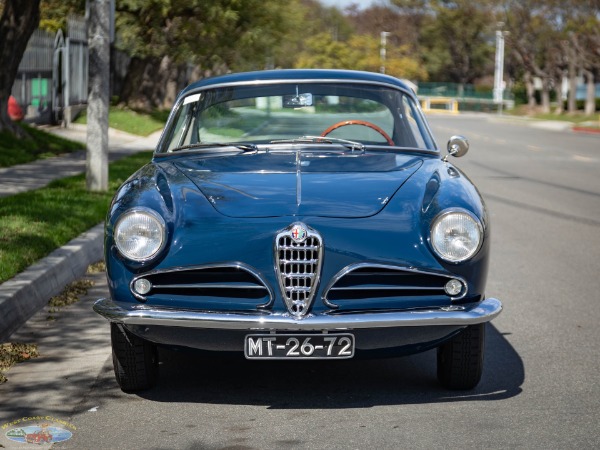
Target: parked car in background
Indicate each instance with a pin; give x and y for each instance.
(297, 215)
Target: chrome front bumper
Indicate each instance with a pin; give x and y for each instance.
(463, 315)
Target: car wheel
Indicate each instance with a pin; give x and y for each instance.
(460, 360)
(135, 360)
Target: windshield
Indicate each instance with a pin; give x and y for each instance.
(369, 115)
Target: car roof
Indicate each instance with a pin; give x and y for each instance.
(299, 75)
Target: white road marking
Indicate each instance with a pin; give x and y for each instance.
(584, 158)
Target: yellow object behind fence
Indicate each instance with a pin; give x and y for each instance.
(450, 105)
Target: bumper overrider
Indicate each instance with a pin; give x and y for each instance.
(456, 315)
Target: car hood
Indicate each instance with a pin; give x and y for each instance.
(329, 184)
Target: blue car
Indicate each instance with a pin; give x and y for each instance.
(297, 215)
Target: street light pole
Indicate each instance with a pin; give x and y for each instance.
(499, 70)
(382, 49)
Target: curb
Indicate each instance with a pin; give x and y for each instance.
(22, 296)
(587, 130)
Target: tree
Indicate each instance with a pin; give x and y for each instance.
(323, 51)
(403, 56)
(581, 20)
(18, 21)
(305, 19)
(551, 40)
(403, 28)
(360, 52)
(176, 37)
(533, 40)
(54, 13)
(455, 37)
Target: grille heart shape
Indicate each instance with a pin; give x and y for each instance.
(298, 256)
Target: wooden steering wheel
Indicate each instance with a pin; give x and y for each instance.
(364, 123)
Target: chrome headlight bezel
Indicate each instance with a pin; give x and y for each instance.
(136, 216)
(472, 231)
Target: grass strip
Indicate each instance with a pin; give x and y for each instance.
(141, 124)
(576, 118)
(41, 145)
(35, 223)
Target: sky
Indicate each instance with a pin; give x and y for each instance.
(342, 4)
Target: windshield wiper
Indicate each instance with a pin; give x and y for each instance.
(245, 147)
(352, 145)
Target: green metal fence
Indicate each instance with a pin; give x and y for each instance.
(454, 90)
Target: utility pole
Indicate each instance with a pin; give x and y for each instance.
(99, 92)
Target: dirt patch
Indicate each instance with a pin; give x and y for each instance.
(14, 352)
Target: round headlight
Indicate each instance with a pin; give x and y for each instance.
(456, 236)
(139, 234)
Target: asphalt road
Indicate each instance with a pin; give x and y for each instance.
(540, 387)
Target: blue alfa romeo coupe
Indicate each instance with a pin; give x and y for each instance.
(297, 215)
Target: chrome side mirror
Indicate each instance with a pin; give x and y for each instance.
(457, 146)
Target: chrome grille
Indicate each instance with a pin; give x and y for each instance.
(298, 254)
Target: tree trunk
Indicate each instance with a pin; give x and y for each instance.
(153, 83)
(559, 99)
(132, 93)
(17, 24)
(98, 25)
(545, 96)
(530, 88)
(590, 97)
(572, 97)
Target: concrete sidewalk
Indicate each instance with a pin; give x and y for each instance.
(74, 349)
(37, 174)
(29, 291)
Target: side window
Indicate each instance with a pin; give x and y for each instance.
(180, 132)
(413, 121)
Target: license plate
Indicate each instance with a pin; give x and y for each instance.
(299, 346)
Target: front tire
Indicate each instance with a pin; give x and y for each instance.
(135, 360)
(460, 360)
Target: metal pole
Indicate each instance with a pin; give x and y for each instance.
(98, 98)
(382, 50)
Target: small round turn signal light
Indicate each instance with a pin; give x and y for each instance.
(142, 286)
(452, 287)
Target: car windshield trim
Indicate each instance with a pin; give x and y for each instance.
(258, 114)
